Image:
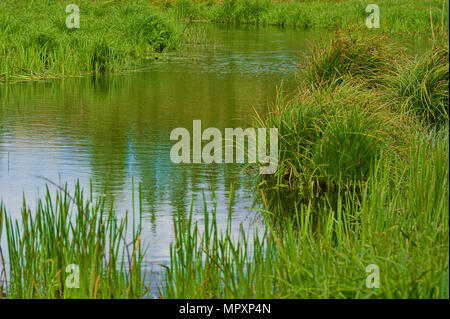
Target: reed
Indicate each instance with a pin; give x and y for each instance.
(43, 245)
(399, 222)
(329, 138)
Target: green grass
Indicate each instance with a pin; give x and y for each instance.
(329, 137)
(395, 16)
(368, 57)
(400, 222)
(113, 37)
(63, 231)
(119, 36)
(420, 86)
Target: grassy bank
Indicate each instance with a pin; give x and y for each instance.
(395, 16)
(112, 37)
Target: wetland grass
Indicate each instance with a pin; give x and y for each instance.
(351, 106)
(399, 222)
(42, 245)
(363, 151)
(329, 137)
(119, 36)
(396, 16)
(360, 55)
(420, 86)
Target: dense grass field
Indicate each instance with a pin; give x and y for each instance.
(395, 15)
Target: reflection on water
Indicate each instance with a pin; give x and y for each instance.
(109, 129)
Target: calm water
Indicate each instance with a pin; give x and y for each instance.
(112, 128)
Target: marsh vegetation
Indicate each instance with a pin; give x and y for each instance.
(363, 165)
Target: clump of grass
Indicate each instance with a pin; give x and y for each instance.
(153, 31)
(348, 146)
(399, 223)
(100, 56)
(421, 86)
(329, 138)
(360, 55)
(63, 231)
